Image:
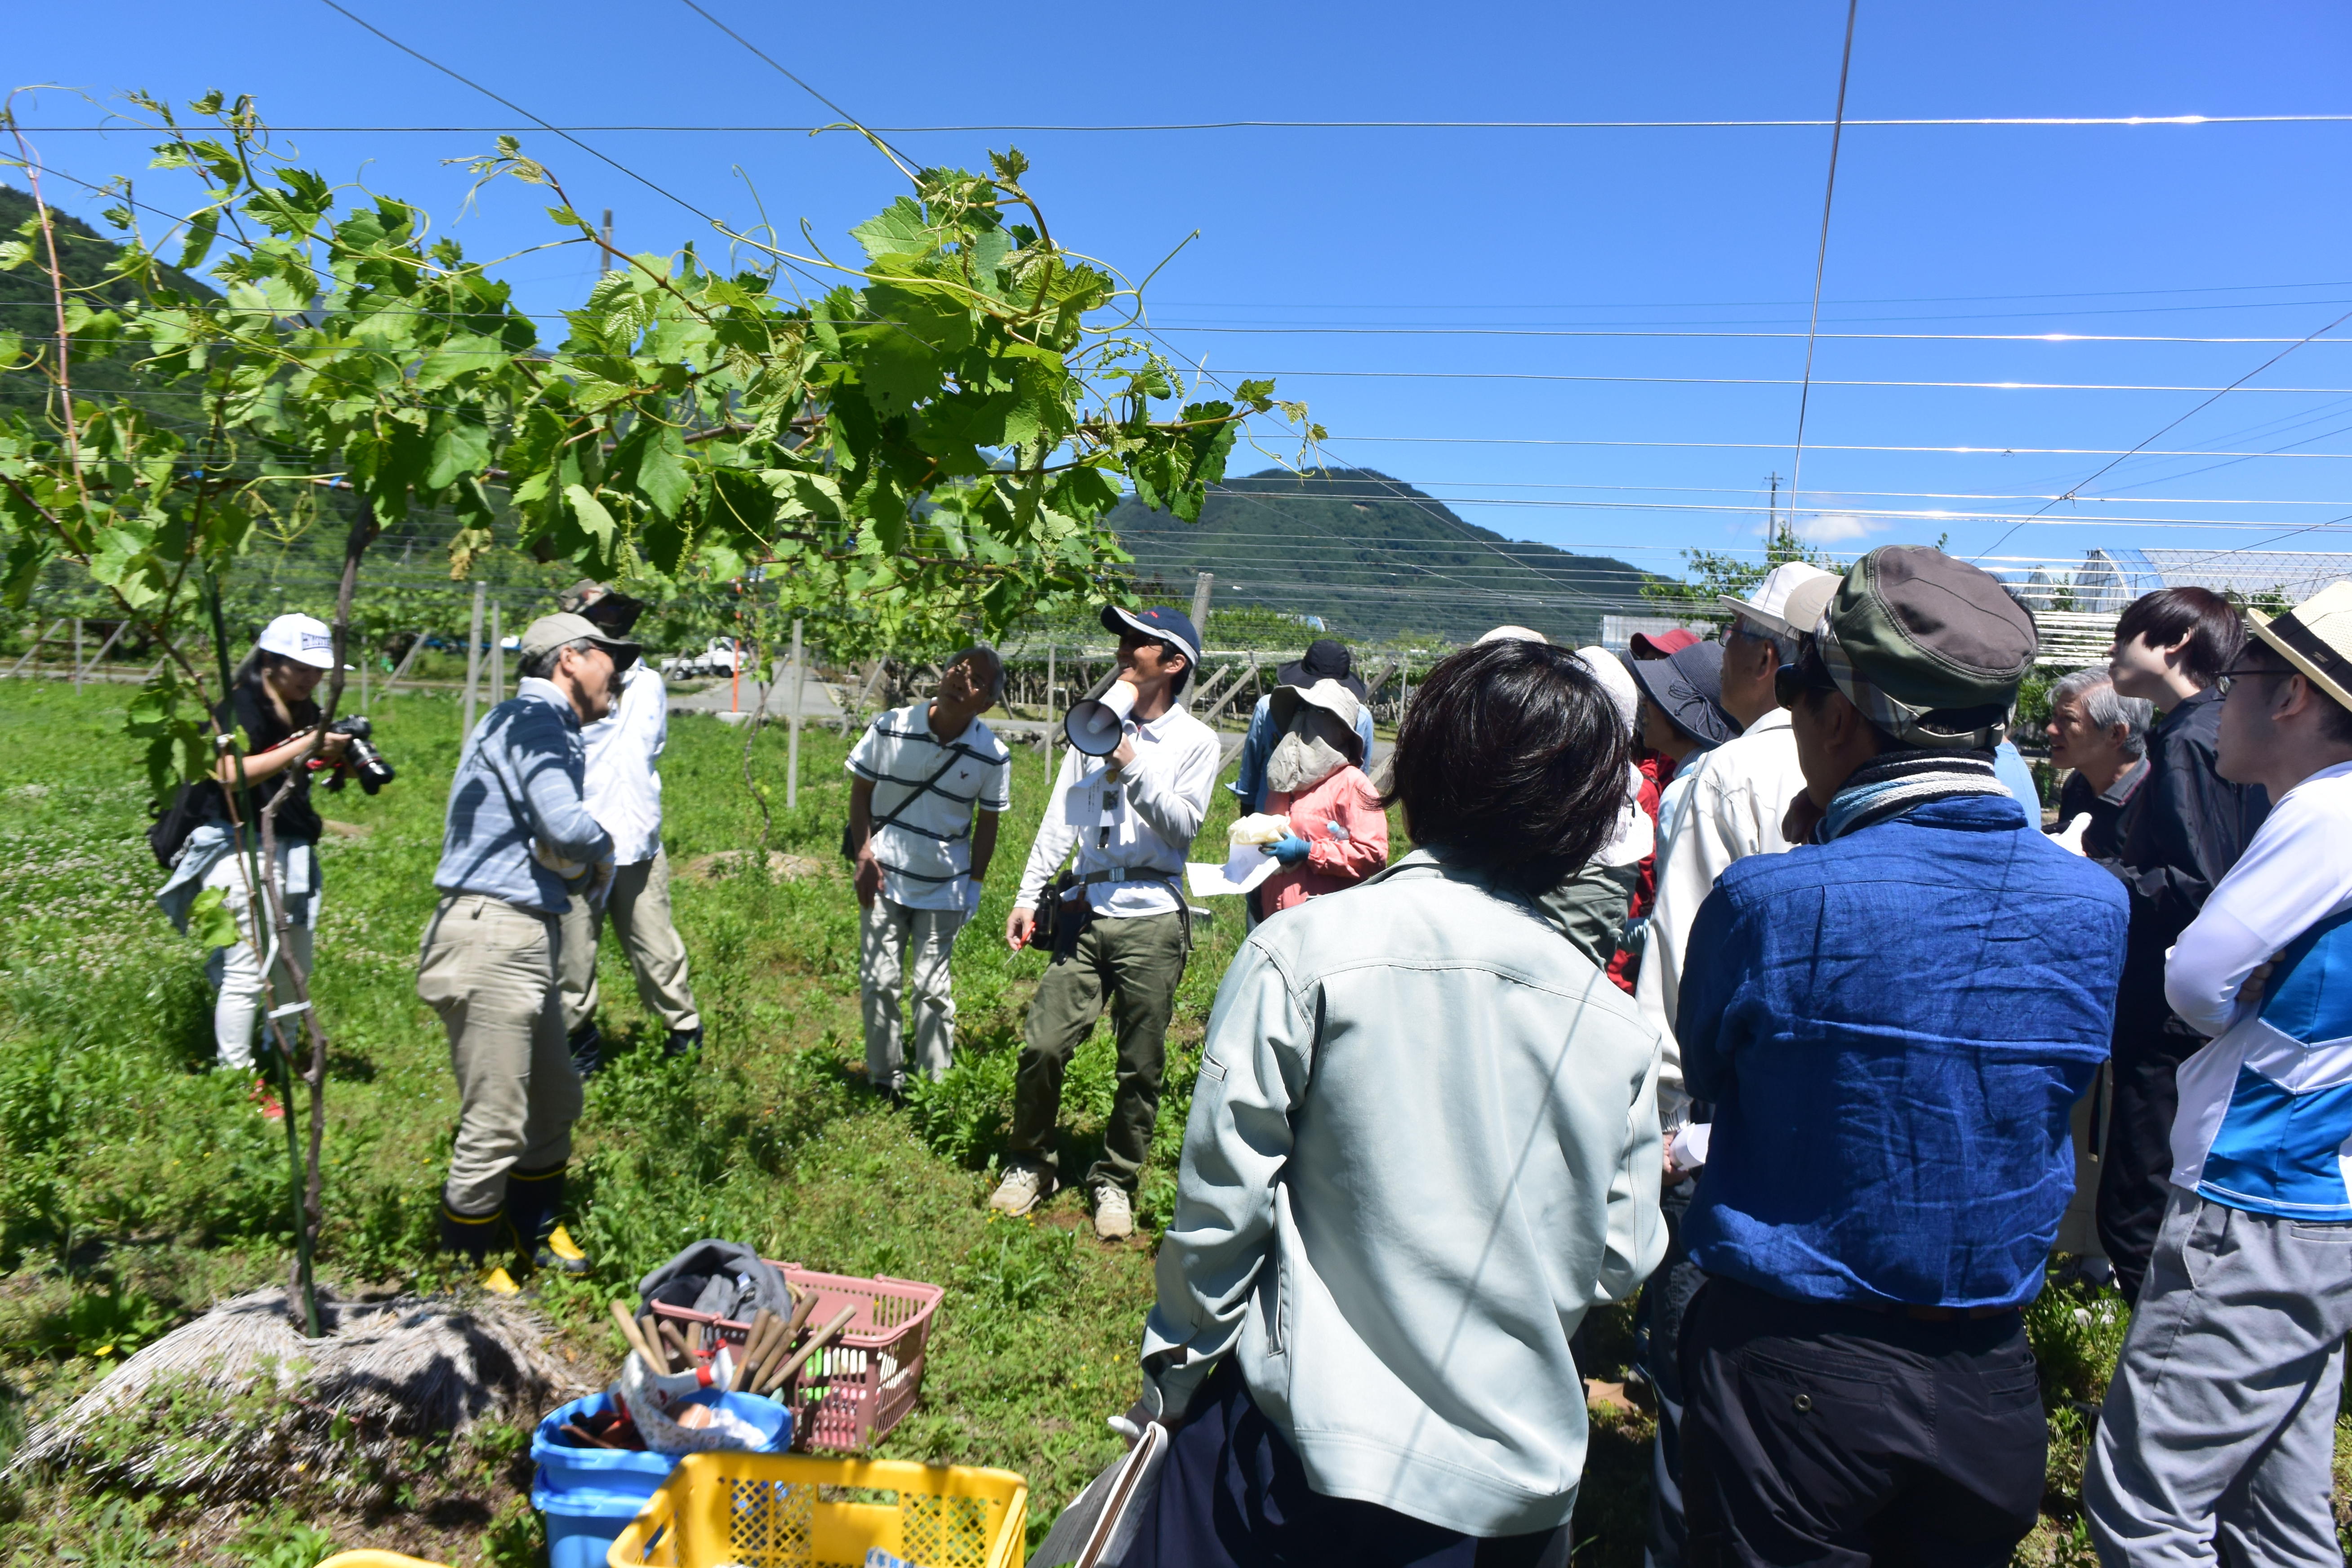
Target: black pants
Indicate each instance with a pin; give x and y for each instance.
(1832, 1434)
(2135, 1168)
(1665, 1298)
(1233, 1495)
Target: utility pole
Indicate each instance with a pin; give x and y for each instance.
(1772, 514)
(604, 257)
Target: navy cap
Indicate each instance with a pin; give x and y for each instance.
(1158, 624)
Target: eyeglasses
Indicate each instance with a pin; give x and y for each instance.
(2227, 678)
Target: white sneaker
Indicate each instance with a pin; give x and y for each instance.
(1114, 1213)
(1025, 1185)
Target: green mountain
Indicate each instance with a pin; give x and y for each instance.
(27, 309)
(1375, 558)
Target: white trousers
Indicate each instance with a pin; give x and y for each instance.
(897, 946)
(235, 970)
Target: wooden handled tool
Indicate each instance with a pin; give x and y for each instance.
(816, 1341)
(573, 1428)
(764, 1324)
(676, 1341)
(637, 1341)
(656, 1355)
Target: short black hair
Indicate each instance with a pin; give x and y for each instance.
(2215, 630)
(1513, 760)
(2334, 719)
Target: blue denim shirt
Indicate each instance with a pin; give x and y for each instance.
(1894, 1029)
(518, 828)
(1257, 745)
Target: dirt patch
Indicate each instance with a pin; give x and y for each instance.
(783, 867)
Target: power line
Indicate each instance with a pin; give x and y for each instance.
(519, 108)
(2074, 122)
(1818, 446)
(796, 82)
(2199, 409)
(1822, 258)
(1419, 332)
(1793, 380)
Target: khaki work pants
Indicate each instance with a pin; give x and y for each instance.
(638, 906)
(899, 947)
(1134, 965)
(489, 967)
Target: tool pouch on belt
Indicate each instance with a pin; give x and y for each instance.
(1062, 915)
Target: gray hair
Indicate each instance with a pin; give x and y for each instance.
(2105, 708)
(1784, 644)
(995, 662)
(541, 665)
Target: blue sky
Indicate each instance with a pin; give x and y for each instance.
(1408, 239)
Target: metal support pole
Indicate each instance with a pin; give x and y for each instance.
(473, 662)
(792, 726)
(1049, 718)
(76, 652)
(498, 658)
(45, 631)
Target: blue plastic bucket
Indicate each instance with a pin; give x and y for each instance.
(589, 1495)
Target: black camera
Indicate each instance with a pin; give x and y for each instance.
(361, 758)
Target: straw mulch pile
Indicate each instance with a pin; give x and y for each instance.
(237, 1404)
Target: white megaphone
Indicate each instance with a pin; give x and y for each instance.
(1095, 725)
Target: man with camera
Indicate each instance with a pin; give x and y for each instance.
(520, 842)
(1120, 928)
(623, 791)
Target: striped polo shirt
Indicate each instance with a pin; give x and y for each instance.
(926, 851)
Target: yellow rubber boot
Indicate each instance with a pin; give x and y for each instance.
(562, 1254)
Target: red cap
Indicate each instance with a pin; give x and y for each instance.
(1665, 644)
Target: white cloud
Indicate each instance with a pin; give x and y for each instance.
(1838, 527)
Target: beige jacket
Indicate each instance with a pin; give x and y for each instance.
(1732, 809)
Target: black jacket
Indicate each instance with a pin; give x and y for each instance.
(2184, 827)
(2105, 839)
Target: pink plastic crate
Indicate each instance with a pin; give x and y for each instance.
(862, 1384)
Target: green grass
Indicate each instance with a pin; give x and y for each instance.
(136, 1187)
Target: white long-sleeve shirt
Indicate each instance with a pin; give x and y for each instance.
(1145, 815)
(1730, 810)
(624, 748)
(2265, 1117)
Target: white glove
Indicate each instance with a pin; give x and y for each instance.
(2070, 837)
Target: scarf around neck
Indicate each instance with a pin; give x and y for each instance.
(1897, 782)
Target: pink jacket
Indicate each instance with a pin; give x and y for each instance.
(1346, 835)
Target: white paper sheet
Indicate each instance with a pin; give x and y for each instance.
(1244, 870)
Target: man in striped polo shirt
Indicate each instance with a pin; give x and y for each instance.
(928, 781)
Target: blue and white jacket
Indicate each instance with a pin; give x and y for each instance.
(2265, 1118)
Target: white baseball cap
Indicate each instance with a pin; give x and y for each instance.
(1511, 634)
(306, 640)
(1767, 604)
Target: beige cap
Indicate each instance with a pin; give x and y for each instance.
(553, 631)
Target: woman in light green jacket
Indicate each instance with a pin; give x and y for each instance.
(1425, 1143)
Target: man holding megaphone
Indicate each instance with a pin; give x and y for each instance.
(1131, 794)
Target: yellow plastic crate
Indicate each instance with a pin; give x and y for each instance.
(797, 1510)
(374, 1559)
